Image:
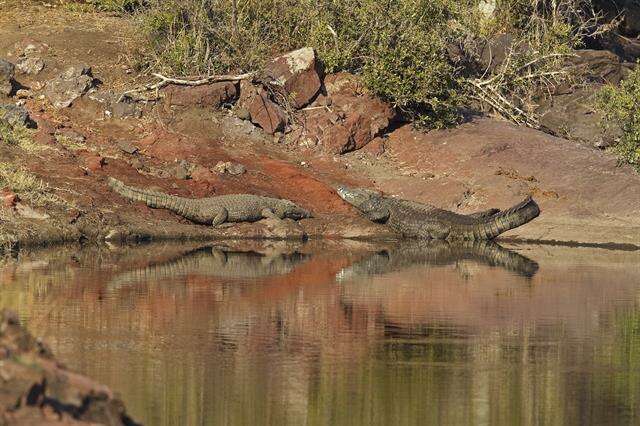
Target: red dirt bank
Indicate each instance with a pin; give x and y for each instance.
(583, 195)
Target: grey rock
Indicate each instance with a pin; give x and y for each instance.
(63, 90)
(7, 73)
(127, 147)
(574, 117)
(15, 115)
(31, 66)
(234, 169)
(183, 170)
(124, 110)
(70, 135)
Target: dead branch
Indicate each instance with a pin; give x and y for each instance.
(165, 81)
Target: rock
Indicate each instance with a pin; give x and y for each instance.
(93, 162)
(495, 51)
(122, 110)
(572, 116)
(29, 213)
(210, 95)
(298, 72)
(24, 94)
(69, 86)
(600, 66)
(243, 114)
(7, 73)
(127, 147)
(354, 120)
(234, 169)
(31, 66)
(266, 113)
(9, 198)
(70, 135)
(375, 147)
(48, 393)
(15, 115)
(183, 170)
(203, 174)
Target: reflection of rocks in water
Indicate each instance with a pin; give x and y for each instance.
(439, 253)
(218, 262)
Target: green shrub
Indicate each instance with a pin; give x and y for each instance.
(621, 106)
(400, 47)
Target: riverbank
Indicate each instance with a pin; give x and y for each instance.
(190, 143)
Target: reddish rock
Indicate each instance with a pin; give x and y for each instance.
(9, 198)
(203, 174)
(209, 95)
(375, 147)
(299, 73)
(93, 162)
(354, 119)
(266, 113)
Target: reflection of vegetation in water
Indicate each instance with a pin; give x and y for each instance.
(618, 357)
(180, 355)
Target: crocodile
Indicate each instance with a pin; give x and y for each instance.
(439, 253)
(214, 210)
(413, 219)
(214, 262)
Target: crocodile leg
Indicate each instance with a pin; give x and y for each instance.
(380, 215)
(221, 216)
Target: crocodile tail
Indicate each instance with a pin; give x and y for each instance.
(154, 199)
(517, 215)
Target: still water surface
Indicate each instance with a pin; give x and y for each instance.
(329, 333)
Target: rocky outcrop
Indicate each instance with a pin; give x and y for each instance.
(35, 389)
(353, 119)
(298, 73)
(63, 90)
(571, 113)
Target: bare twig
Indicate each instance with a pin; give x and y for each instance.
(164, 81)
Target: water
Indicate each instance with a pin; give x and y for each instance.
(344, 333)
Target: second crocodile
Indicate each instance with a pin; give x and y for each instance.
(214, 210)
(412, 219)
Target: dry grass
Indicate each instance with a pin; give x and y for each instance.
(27, 185)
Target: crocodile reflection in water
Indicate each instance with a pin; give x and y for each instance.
(438, 253)
(214, 262)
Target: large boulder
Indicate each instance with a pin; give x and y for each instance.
(299, 73)
(572, 116)
(600, 66)
(353, 119)
(7, 73)
(36, 389)
(210, 95)
(69, 86)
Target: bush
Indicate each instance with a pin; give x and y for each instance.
(401, 47)
(621, 106)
